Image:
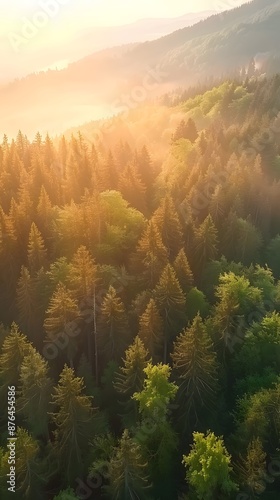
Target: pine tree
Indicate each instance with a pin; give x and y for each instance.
(146, 169)
(130, 378)
(29, 471)
(35, 392)
(15, 348)
(205, 243)
(151, 330)
(197, 372)
(26, 302)
(171, 302)
(73, 418)
(108, 174)
(112, 327)
(236, 300)
(132, 188)
(63, 314)
(127, 471)
(9, 264)
(83, 274)
(45, 213)
(186, 131)
(62, 310)
(252, 467)
(37, 253)
(183, 271)
(167, 220)
(151, 256)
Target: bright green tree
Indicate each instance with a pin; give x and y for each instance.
(209, 467)
(155, 432)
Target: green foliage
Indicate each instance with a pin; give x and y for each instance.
(197, 372)
(117, 257)
(112, 326)
(68, 494)
(158, 392)
(208, 467)
(74, 423)
(261, 347)
(196, 303)
(127, 471)
(15, 347)
(252, 468)
(35, 388)
(151, 330)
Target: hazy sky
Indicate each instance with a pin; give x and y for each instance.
(34, 33)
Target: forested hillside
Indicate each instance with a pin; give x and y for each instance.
(140, 303)
(107, 82)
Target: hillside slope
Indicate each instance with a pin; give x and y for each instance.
(116, 79)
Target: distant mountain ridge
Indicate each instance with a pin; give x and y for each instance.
(109, 81)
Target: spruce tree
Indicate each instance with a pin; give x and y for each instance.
(130, 378)
(112, 327)
(205, 243)
(37, 253)
(73, 418)
(171, 303)
(128, 471)
(183, 271)
(167, 220)
(151, 330)
(151, 256)
(197, 373)
(35, 388)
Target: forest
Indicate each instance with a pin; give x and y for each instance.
(140, 303)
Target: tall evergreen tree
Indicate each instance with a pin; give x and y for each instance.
(130, 377)
(151, 330)
(35, 388)
(197, 373)
(167, 220)
(62, 314)
(112, 327)
(183, 271)
(151, 256)
(37, 253)
(205, 243)
(73, 418)
(171, 302)
(15, 348)
(127, 471)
